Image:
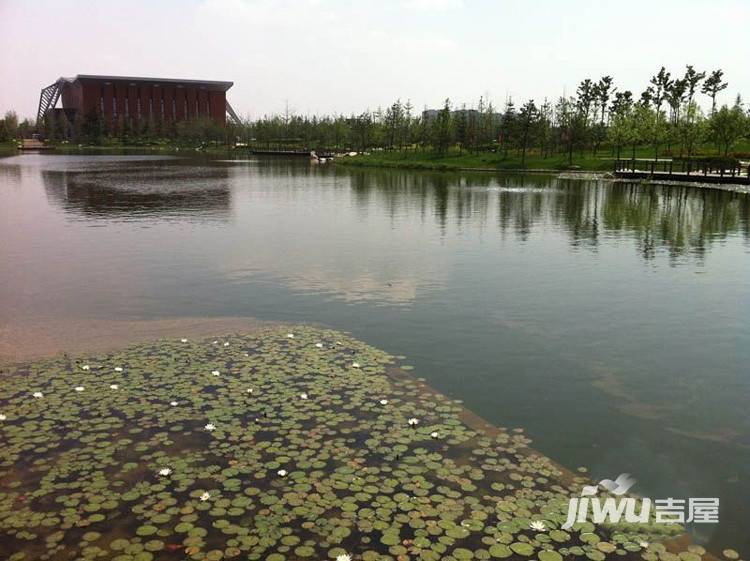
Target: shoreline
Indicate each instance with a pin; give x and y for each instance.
(42, 338)
(595, 175)
(357, 162)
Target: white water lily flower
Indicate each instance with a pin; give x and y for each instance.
(319, 345)
(205, 496)
(210, 426)
(114, 387)
(290, 335)
(215, 372)
(38, 394)
(249, 390)
(118, 368)
(344, 557)
(644, 545)
(215, 342)
(85, 367)
(355, 365)
(3, 417)
(79, 388)
(434, 434)
(303, 395)
(282, 473)
(226, 344)
(165, 471)
(183, 340)
(174, 403)
(537, 525)
(383, 402)
(413, 422)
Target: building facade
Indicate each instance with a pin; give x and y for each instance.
(137, 100)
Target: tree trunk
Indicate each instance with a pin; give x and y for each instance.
(570, 152)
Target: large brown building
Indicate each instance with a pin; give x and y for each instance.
(115, 98)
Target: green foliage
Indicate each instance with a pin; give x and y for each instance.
(442, 129)
(198, 131)
(598, 119)
(8, 126)
(726, 126)
(713, 85)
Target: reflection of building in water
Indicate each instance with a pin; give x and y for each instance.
(142, 190)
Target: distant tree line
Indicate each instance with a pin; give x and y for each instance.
(395, 128)
(93, 128)
(666, 119)
(11, 128)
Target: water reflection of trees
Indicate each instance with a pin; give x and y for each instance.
(274, 167)
(682, 220)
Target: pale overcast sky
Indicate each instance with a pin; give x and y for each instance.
(334, 56)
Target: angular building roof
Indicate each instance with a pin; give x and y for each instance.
(216, 84)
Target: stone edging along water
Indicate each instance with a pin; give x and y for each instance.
(288, 443)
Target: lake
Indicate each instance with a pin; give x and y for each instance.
(608, 320)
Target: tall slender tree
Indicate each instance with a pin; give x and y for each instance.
(620, 120)
(605, 89)
(461, 126)
(443, 128)
(692, 79)
(660, 85)
(713, 85)
(527, 118)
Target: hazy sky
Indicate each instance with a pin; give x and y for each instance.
(335, 56)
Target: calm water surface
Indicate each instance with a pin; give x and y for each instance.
(611, 321)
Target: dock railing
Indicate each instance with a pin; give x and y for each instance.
(681, 168)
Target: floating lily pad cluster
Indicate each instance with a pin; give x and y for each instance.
(301, 444)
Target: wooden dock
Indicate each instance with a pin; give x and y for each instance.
(34, 144)
(306, 152)
(271, 152)
(695, 170)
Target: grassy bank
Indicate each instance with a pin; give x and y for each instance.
(455, 160)
(461, 160)
(8, 148)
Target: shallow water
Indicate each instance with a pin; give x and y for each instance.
(608, 320)
(291, 443)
